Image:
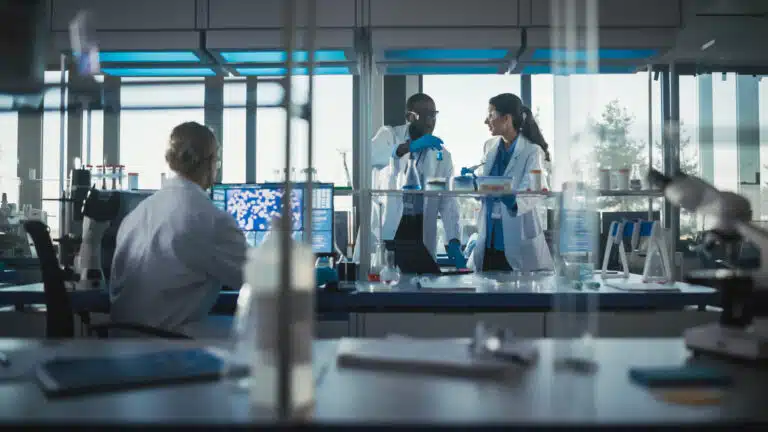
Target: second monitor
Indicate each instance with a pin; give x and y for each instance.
(254, 205)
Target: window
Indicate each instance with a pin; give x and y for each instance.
(150, 109)
(332, 131)
(724, 131)
(53, 131)
(462, 101)
(9, 182)
(233, 140)
(763, 92)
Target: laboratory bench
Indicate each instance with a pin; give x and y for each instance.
(537, 395)
(448, 308)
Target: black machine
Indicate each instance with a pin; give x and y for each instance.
(414, 258)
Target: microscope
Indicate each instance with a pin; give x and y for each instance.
(742, 331)
(99, 210)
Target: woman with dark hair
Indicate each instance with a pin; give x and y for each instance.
(510, 233)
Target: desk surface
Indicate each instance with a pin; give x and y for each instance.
(508, 293)
(536, 396)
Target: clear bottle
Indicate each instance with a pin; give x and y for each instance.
(635, 179)
(390, 274)
(256, 333)
(412, 177)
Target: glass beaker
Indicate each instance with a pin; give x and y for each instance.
(635, 179)
(390, 274)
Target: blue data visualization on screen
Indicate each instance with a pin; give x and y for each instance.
(254, 205)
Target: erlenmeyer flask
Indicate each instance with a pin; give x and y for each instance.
(412, 177)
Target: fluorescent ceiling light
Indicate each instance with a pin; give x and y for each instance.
(445, 54)
(442, 69)
(148, 57)
(158, 72)
(577, 70)
(281, 56)
(273, 71)
(602, 54)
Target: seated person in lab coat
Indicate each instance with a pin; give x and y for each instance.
(176, 249)
(510, 230)
(414, 216)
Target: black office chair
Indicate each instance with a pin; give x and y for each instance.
(60, 316)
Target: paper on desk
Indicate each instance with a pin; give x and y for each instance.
(644, 287)
(427, 356)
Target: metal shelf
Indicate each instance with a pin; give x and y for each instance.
(601, 193)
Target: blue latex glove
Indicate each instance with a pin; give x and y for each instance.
(454, 252)
(468, 171)
(510, 201)
(425, 142)
(325, 276)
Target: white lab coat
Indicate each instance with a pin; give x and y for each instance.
(174, 252)
(382, 147)
(447, 206)
(524, 244)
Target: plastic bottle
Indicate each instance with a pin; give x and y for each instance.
(256, 322)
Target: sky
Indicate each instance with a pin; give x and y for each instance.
(461, 102)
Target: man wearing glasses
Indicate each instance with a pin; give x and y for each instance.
(175, 250)
(414, 217)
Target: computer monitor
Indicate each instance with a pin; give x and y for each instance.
(254, 205)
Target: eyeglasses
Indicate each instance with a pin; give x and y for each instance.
(427, 115)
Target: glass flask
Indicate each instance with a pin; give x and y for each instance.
(377, 264)
(412, 177)
(390, 274)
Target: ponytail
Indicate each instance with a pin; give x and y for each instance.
(522, 119)
(530, 130)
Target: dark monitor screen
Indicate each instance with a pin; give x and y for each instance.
(254, 205)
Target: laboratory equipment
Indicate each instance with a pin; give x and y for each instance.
(346, 166)
(98, 212)
(622, 179)
(412, 177)
(650, 231)
(635, 180)
(575, 236)
(464, 183)
(390, 274)
(377, 264)
(495, 184)
(256, 332)
(535, 184)
(254, 205)
(742, 330)
(325, 273)
(436, 184)
(605, 179)
(133, 181)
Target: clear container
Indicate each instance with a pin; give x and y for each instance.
(436, 184)
(377, 264)
(463, 183)
(635, 179)
(412, 177)
(495, 184)
(390, 274)
(256, 332)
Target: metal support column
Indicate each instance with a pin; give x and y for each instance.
(748, 139)
(706, 129)
(525, 90)
(670, 100)
(30, 157)
(214, 113)
(251, 84)
(396, 91)
(111, 149)
(74, 132)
